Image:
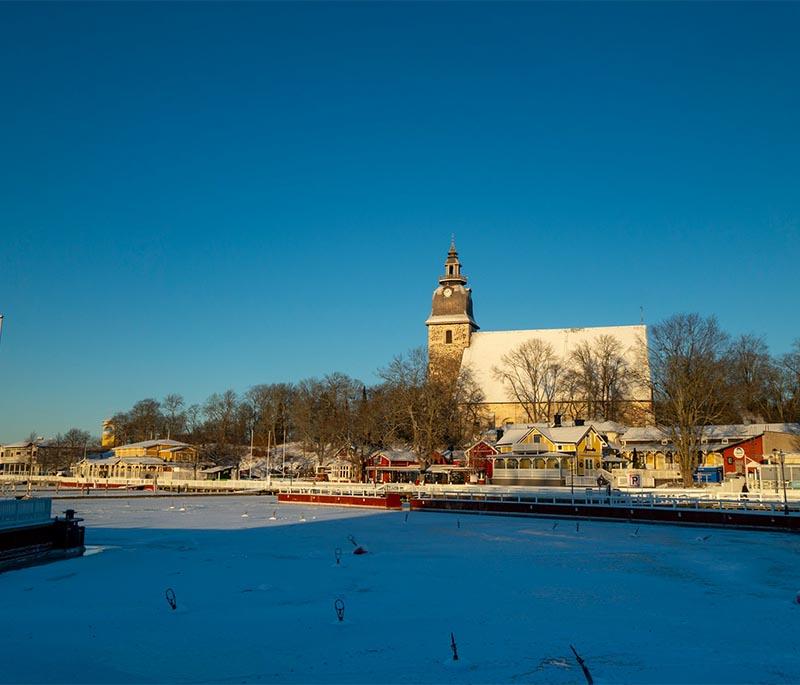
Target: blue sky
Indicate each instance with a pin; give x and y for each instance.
(195, 197)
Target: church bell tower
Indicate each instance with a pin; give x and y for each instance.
(451, 324)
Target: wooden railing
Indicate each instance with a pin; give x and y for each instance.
(24, 512)
(648, 500)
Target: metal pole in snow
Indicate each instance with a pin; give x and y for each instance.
(269, 460)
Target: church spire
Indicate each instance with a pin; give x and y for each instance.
(452, 267)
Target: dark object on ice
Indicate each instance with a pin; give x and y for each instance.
(582, 664)
(406, 521)
(454, 647)
(170, 593)
(577, 526)
(555, 525)
(458, 523)
(29, 536)
(339, 606)
(358, 548)
(338, 554)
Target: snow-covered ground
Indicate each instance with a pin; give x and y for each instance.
(255, 599)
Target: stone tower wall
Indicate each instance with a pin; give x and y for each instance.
(443, 356)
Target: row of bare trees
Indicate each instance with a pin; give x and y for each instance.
(593, 381)
(61, 451)
(699, 376)
(694, 372)
(598, 379)
(323, 414)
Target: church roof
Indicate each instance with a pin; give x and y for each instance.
(487, 348)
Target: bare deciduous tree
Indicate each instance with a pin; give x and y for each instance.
(787, 385)
(323, 412)
(174, 417)
(223, 427)
(688, 379)
(432, 410)
(534, 375)
(601, 377)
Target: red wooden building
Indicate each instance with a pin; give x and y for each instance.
(477, 457)
(393, 466)
(750, 450)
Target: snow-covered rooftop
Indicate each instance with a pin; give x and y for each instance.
(153, 443)
(738, 431)
(396, 454)
(513, 435)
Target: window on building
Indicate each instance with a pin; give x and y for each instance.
(448, 337)
(537, 438)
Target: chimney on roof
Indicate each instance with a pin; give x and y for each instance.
(557, 421)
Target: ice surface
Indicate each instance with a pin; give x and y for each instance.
(255, 599)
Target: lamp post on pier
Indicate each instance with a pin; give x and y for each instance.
(782, 460)
(573, 464)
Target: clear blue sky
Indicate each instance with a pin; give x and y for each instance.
(195, 197)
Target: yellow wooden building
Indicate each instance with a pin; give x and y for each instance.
(168, 450)
(547, 455)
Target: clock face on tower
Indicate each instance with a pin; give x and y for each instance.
(448, 292)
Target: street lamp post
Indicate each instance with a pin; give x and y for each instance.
(782, 459)
(572, 471)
